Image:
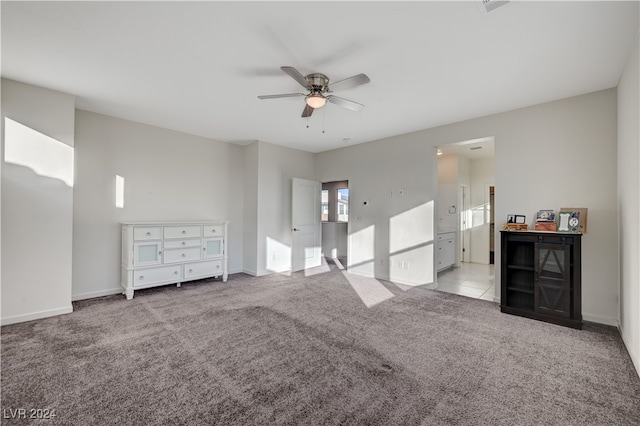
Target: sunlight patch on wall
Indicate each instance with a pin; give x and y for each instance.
(361, 260)
(411, 246)
(44, 155)
(119, 192)
(316, 270)
(278, 256)
(475, 217)
(411, 228)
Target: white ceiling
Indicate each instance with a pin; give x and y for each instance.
(198, 67)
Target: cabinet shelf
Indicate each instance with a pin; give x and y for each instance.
(541, 276)
(520, 289)
(521, 268)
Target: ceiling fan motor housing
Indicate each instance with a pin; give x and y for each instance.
(319, 82)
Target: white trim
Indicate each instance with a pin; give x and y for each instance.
(37, 315)
(250, 272)
(92, 294)
(635, 359)
(601, 320)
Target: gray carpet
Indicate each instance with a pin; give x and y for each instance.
(296, 350)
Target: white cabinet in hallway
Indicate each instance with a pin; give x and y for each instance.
(445, 250)
(155, 254)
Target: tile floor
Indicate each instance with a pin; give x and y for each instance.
(470, 279)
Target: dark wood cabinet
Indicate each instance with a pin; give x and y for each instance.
(540, 276)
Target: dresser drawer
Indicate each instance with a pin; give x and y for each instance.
(446, 236)
(203, 269)
(213, 231)
(182, 243)
(160, 274)
(182, 254)
(145, 233)
(188, 231)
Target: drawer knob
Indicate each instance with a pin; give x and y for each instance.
(159, 252)
(184, 243)
(148, 234)
(190, 270)
(184, 255)
(141, 277)
(175, 272)
(213, 230)
(217, 266)
(184, 232)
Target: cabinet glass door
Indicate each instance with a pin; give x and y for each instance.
(213, 247)
(552, 279)
(147, 253)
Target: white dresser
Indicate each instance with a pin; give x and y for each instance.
(159, 253)
(446, 250)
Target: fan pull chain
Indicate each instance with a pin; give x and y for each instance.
(323, 121)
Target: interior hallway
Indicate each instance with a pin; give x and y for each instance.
(470, 279)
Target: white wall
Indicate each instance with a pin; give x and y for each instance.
(572, 140)
(168, 176)
(447, 193)
(250, 214)
(334, 239)
(277, 166)
(392, 236)
(629, 203)
(464, 238)
(37, 210)
(481, 177)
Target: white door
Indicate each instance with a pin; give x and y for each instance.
(465, 226)
(306, 225)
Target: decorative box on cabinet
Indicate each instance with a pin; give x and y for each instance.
(541, 276)
(445, 250)
(155, 254)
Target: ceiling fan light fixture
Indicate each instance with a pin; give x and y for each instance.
(316, 100)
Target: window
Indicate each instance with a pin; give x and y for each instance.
(325, 205)
(335, 201)
(343, 205)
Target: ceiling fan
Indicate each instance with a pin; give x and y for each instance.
(319, 91)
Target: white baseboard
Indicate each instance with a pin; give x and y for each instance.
(601, 320)
(250, 272)
(635, 357)
(92, 294)
(36, 315)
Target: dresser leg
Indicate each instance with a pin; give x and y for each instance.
(178, 285)
(129, 293)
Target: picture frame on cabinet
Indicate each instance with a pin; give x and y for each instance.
(516, 218)
(582, 225)
(569, 221)
(546, 216)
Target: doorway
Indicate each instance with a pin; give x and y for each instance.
(492, 225)
(465, 200)
(335, 220)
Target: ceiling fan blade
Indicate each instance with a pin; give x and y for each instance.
(345, 103)
(350, 82)
(295, 74)
(283, 95)
(307, 111)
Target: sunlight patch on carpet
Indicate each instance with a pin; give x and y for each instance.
(370, 290)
